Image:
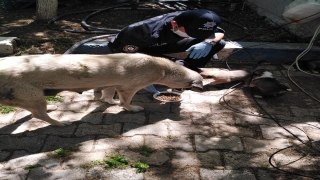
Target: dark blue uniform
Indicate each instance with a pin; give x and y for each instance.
(154, 36)
(151, 32)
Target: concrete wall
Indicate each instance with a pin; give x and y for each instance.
(273, 10)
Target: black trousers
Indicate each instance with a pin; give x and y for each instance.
(182, 46)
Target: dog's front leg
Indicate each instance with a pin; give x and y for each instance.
(108, 94)
(125, 97)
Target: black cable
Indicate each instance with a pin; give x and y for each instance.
(93, 12)
(53, 20)
(276, 120)
(308, 144)
(245, 113)
(89, 27)
(268, 115)
(270, 161)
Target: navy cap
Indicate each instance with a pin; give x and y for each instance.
(199, 23)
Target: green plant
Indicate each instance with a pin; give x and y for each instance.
(116, 161)
(87, 166)
(99, 162)
(6, 109)
(96, 162)
(25, 44)
(146, 151)
(60, 153)
(54, 99)
(60, 46)
(140, 167)
(31, 166)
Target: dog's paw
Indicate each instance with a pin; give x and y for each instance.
(112, 101)
(51, 107)
(135, 108)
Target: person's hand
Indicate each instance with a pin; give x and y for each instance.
(199, 50)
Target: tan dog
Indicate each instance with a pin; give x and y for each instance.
(219, 76)
(24, 80)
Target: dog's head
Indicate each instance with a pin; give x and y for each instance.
(177, 76)
(188, 78)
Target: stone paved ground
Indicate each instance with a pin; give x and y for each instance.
(201, 137)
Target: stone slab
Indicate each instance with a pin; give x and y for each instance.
(8, 46)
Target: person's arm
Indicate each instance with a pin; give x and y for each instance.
(217, 38)
(202, 49)
(218, 35)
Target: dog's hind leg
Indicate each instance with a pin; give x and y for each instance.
(32, 99)
(108, 94)
(40, 113)
(125, 97)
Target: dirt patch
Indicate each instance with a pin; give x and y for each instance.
(240, 22)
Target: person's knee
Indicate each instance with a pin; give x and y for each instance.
(222, 43)
(218, 47)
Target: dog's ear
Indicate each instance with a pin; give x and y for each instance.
(207, 72)
(197, 84)
(203, 72)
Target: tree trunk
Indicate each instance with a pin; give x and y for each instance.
(47, 9)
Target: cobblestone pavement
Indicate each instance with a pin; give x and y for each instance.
(210, 134)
